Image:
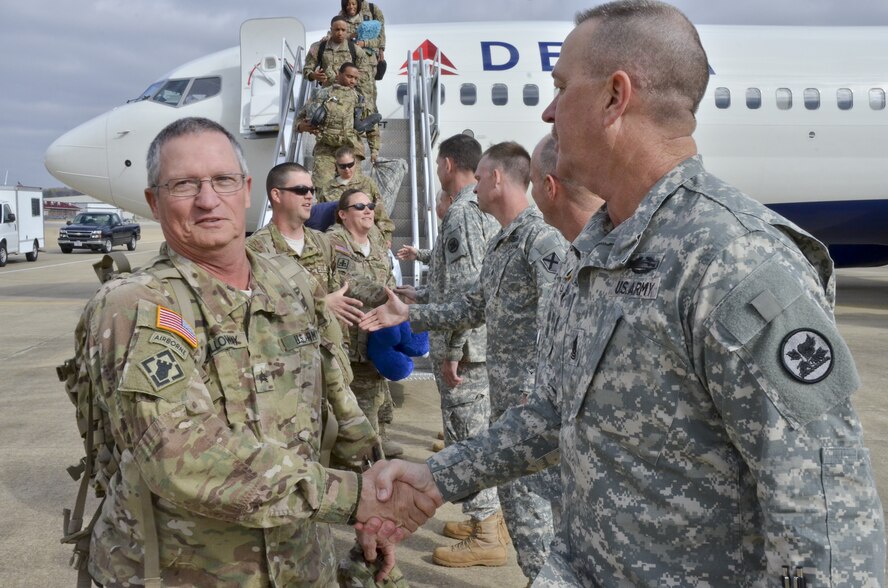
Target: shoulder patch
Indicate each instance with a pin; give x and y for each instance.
(551, 262)
(452, 244)
(806, 355)
(173, 322)
(162, 369)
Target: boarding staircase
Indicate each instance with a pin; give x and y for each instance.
(411, 136)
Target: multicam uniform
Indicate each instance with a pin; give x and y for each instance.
(454, 269)
(338, 129)
(366, 277)
(222, 423)
(371, 46)
(316, 256)
(516, 276)
(333, 190)
(333, 58)
(703, 403)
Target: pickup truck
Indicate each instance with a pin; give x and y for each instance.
(99, 231)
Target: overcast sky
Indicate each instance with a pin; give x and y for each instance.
(65, 61)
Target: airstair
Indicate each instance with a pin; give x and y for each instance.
(272, 58)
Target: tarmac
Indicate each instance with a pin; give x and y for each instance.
(41, 302)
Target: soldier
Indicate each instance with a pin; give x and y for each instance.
(350, 177)
(707, 435)
(462, 370)
(358, 13)
(516, 277)
(290, 189)
(362, 258)
(195, 361)
(323, 66)
(343, 122)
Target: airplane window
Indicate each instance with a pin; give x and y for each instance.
(499, 94)
(877, 98)
(402, 93)
(753, 98)
(722, 98)
(531, 94)
(203, 88)
(812, 98)
(468, 94)
(149, 92)
(171, 92)
(784, 98)
(844, 98)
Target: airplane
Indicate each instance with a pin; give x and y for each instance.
(794, 116)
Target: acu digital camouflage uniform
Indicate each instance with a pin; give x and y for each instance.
(343, 106)
(366, 277)
(454, 269)
(316, 256)
(706, 432)
(333, 58)
(223, 424)
(516, 276)
(334, 188)
(371, 46)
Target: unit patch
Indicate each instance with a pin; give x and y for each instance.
(342, 263)
(806, 355)
(162, 369)
(646, 289)
(453, 245)
(551, 263)
(170, 342)
(173, 322)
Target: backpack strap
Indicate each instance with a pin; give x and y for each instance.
(105, 269)
(373, 11)
(352, 48)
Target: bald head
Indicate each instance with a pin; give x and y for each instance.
(660, 50)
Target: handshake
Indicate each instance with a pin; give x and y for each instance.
(397, 497)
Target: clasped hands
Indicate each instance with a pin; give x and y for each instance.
(397, 497)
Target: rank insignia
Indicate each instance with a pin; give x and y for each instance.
(806, 355)
(162, 369)
(173, 322)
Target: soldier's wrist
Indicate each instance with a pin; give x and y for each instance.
(353, 517)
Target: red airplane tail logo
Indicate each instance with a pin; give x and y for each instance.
(430, 52)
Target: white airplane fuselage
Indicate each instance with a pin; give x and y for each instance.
(794, 116)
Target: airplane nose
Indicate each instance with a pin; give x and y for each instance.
(79, 158)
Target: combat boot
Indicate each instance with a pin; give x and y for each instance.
(463, 529)
(389, 447)
(484, 547)
(437, 445)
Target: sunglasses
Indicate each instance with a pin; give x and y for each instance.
(348, 165)
(300, 190)
(362, 206)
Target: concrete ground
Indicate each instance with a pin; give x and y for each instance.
(40, 304)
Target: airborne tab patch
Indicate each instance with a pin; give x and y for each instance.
(162, 369)
(173, 322)
(807, 356)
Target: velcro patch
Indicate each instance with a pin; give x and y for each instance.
(162, 369)
(294, 341)
(551, 262)
(342, 263)
(647, 289)
(170, 342)
(224, 341)
(173, 322)
(807, 355)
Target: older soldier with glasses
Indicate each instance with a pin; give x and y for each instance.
(701, 402)
(206, 366)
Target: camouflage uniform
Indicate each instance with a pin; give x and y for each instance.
(366, 277)
(516, 276)
(316, 256)
(454, 269)
(333, 190)
(222, 423)
(371, 48)
(706, 431)
(338, 129)
(333, 58)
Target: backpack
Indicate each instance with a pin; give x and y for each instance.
(352, 48)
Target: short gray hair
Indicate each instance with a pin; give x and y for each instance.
(658, 47)
(547, 156)
(188, 126)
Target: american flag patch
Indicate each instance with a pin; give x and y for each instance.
(174, 323)
(341, 248)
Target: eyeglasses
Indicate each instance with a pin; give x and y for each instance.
(300, 190)
(190, 187)
(348, 165)
(362, 206)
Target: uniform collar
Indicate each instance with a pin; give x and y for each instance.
(513, 226)
(466, 194)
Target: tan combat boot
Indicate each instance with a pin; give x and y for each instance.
(463, 529)
(485, 547)
(389, 447)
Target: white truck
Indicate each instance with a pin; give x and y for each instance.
(21, 222)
